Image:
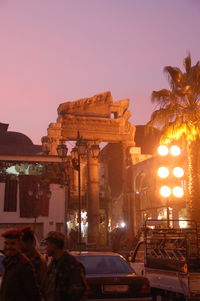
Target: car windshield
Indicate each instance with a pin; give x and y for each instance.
(105, 265)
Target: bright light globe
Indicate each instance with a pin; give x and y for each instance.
(175, 150)
(163, 150)
(163, 172)
(165, 191)
(178, 191)
(178, 172)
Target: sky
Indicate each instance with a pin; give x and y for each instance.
(54, 51)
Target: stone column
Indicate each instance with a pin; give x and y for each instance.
(93, 200)
(127, 201)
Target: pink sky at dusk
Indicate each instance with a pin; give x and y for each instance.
(53, 51)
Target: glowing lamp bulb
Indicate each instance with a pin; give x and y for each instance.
(175, 150)
(163, 150)
(183, 224)
(178, 191)
(165, 191)
(122, 224)
(178, 172)
(163, 172)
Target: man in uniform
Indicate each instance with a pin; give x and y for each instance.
(28, 247)
(19, 282)
(66, 276)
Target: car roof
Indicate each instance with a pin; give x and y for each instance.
(95, 253)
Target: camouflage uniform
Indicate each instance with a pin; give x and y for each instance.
(40, 266)
(66, 279)
(19, 281)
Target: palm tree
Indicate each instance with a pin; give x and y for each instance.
(178, 117)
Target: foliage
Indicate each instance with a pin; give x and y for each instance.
(178, 117)
(178, 112)
(54, 173)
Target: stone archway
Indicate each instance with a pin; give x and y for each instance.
(97, 119)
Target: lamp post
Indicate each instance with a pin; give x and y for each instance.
(77, 152)
(37, 194)
(34, 195)
(62, 151)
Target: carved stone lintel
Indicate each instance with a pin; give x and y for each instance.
(98, 105)
(92, 118)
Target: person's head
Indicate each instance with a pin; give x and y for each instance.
(11, 241)
(27, 241)
(55, 243)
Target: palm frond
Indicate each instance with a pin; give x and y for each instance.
(178, 130)
(175, 76)
(187, 63)
(162, 97)
(186, 89)
(177, 113)
(195, 74)
(162, 117)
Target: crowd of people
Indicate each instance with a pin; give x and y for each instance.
(29, 277)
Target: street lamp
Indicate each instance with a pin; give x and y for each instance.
(95, 150)
(170, 174)
(62, 151)
(77, 152)
(36, 194)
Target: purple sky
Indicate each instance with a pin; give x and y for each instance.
(53, 51)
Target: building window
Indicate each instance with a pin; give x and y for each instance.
(10, 195)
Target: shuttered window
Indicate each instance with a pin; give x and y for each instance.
(10, 195)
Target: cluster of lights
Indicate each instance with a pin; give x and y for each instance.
(164, 172)
(173, 150)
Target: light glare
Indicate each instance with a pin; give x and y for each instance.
(178, 172)
(183, 224)
(163, 172)
(163, 150)
(122, 224)
(165, 191)
(178, 191)
(175, 150)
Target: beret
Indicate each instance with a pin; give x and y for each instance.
(12, 233)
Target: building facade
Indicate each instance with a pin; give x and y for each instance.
(26, 198)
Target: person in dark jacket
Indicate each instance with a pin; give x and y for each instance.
(66, 276)
(19, 281)
(28, 247)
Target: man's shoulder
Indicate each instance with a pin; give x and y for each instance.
(67, 257)
(23, 259)
(69, 261)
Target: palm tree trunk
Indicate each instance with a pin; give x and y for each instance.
(193, 197)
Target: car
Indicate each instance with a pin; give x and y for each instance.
(1, 262)
(1, 265)
(110, 277)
